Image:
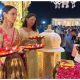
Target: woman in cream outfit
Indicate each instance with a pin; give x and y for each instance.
(29, 29)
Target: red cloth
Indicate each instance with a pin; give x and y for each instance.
(7, 40)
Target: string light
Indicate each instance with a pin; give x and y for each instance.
(63, 4)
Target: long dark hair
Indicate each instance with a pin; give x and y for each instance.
(34, 27)
(6, 9)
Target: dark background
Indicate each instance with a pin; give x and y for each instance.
(45, 10)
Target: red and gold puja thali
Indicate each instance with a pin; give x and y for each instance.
(10, 50)
(34, 46)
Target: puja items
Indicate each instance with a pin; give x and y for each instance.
(68, 70)
(66, 63)
(8, 50)
(37, 38)
(34, 46)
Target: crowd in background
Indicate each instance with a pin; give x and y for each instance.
(68, 36)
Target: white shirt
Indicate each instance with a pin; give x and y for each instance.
(77, 58)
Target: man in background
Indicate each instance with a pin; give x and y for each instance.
(69, 43)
